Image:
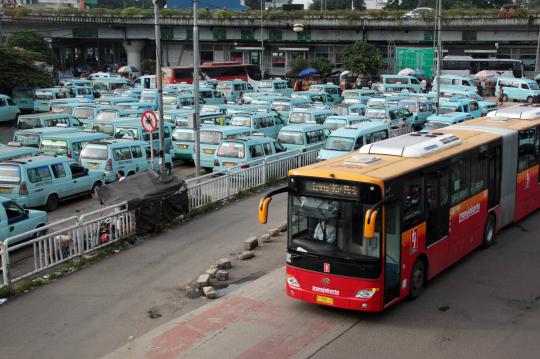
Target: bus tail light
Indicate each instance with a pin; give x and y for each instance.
(291, 281)
(23, 190)
(108, 165)
(366, 293)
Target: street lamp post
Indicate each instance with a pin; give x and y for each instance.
(196, 70)
(439, 56)
(262, 38)
(159, 84)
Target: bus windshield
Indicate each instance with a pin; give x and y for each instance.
(331, 228)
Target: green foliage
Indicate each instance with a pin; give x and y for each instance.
(322, 64)
(148, 66)
(135, 11)
(222, 14)
(22, 71)
(338, 4)
(362, 58)
(32, 41)
(298, 64)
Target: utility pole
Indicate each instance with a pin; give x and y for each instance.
(439, 55)
(196, 71)
(537, 64)
(159, 84)
(262, 39)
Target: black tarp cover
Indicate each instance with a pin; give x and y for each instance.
(153, 199)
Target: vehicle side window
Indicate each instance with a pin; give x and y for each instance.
(525, 86)
(473, 106)
(528, 149)
(311, 137)
(256, 151)
(278, 121)
(58, 170)
(460, 181)
(359, 142)
(413, 200)
(13, 211)
(2, 102)
(259, 122)
(136, 151)
(39, 174)
(77, 170)
(279, 147)
(120, 154)
(321, 136)
(77, 147)
(166, 132)
(267, 149)
(10, 102)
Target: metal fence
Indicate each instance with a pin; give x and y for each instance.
(222, 185)
(62, 241)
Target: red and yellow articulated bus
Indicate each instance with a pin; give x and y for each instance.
(369, 229)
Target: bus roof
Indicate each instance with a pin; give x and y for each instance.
(504, 122)
(371, 166)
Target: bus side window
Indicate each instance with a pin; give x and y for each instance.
(527, 156)
(359, 142)
(460, 181)
(413, 201)
(479, 173)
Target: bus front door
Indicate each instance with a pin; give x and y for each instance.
(392, 255)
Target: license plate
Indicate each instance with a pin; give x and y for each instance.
(209, 152)
(183, 147)
(229, 164)
(93, 165)
(5, 190)
(325, 300)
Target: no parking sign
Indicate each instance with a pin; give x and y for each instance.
(149, 121)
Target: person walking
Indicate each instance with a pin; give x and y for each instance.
(500, 96)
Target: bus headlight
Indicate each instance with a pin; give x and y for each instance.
(292, 281)
(366, 293)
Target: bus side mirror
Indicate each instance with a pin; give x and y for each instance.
(369, 224)
(263, 209)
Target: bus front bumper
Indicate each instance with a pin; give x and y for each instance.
(329, 290)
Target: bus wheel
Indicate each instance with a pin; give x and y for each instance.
(418, 277)
(505, 98)
(489, 232)
(530, 99)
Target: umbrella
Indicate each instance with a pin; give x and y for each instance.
(406, 72)
(418, 73)
(127, 70)
(485, 75)
(308, 72)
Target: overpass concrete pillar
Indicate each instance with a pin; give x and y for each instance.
(133, 50)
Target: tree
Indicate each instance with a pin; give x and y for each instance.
(322, 64)
(148, 66)
(362, 59)
(338, 4)
(32, 41)
(22, 70)
(298, 64)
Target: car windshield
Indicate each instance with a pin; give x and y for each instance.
(26, 123)
(445, 109)
(209, 109)
(357, 111)
(94, 152)
(300, 117)
(27, 140)
(149, 99)
(83, 112)
(434, 125)
(44, 96)
(331, 228)
(281, 106)
(241, 121)
(10, 174)
(265, 85)
(344, 144)
(126, 133)
(105, 128)
(170, 100)
(106, 115)
(231, 150)
(533, 86)
(412, 106)
(54, 147)
(291, 138)
(23, 93)
(376, 113)
(334, 124)
(62, 109)
(211, 137)
(185, 136)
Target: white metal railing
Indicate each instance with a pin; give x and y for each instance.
(63, 240)
(222, 185)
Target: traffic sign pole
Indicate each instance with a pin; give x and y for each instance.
(149, 123)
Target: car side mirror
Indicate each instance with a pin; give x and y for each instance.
(26, 211)
(86, 171)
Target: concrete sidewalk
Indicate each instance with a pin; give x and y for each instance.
(256, 321)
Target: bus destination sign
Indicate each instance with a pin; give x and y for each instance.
(331, 189)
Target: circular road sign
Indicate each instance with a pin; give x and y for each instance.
(149, 121)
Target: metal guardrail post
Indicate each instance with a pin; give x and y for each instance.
(4, 254)
(228, 184)
(264, 170)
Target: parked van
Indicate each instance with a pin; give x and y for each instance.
(150, 97)
(135, 106)
(183, 139)
(357, 109)
(110, 114)
(32, 137)
(518, 89)
(332, 123)
(309, 115)
(263, 122)
(42, 180)
(279, 86)
(303, 137)
(463, 104)
(8, 109)
(211, 137)
(446, 119)
(24, 98)
(394, 116)
(86, 92)
(314, 97)
(397, 83)
(68, 144)
(146, 81)
(87, 113)
(14, 150)
(114, 100)
(175, 102)
(125, 157)
(43, 97)
(231, 90)
(41, 120)
(15, 220)
(109, 84)
(332, 90)
(457, 82)
(132, 129)
(359, 96)
(246, 152)
(421, 110)
(349, 139)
